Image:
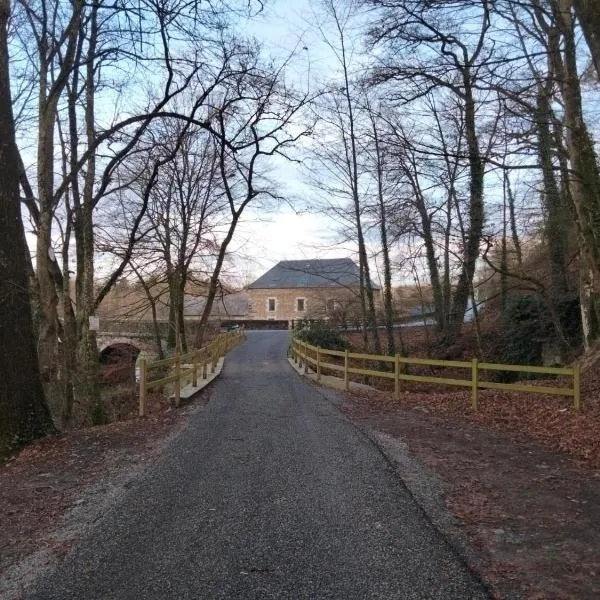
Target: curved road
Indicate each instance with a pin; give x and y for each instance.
(268, 493)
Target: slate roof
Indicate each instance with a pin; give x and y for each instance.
(231, 305)
(317, 273)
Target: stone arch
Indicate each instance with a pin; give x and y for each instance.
(118, 359)
(112, 352)
(106, 342)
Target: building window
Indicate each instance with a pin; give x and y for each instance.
(300, 304)
(271, 305)
(330, 306)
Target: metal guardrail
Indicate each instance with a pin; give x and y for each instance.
(198, 363)
(304, 353)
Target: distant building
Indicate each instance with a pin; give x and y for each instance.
(232, 306)
(306, 289)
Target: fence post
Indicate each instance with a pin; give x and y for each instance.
(195, 369)
(177, 380)
(204, 361)
(397, 377)
(305, 358)
(318, 363)
(346, 383)
(474, 383)
(142, 408)
(577, 387)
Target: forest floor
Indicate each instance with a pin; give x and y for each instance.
(521, 474)
(54, 489)
(521, 477)
(531, 511)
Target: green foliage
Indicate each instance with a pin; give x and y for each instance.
(525, 327)
(98, 416)
(322, 335)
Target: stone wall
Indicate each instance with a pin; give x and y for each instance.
(317, 303)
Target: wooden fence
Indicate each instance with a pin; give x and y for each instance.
(182, 368)
(305, 354)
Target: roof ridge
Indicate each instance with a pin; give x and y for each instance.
(317, 273)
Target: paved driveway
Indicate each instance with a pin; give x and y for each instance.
(269, 493)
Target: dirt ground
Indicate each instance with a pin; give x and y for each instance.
(531, 511)
(45, 487)
(521, 476)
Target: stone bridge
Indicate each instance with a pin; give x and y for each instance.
(129, 337)
(107, 341)
(135, 337)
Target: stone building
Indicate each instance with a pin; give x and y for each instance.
(307, 289)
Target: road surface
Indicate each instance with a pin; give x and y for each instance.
(268, 493)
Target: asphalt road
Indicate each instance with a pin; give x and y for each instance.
(269, 493)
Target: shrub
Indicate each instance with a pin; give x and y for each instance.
(320, 334)
(519, 335)
(98, 416)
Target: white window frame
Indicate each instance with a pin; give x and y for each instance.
(296, 309)
(269, 305)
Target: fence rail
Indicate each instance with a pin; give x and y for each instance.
(182, 368)
(306, 354)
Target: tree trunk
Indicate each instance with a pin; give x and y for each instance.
(181, 310)
(24, 414)
(556, 219)
(216, 274)
(476, 215)
(51, 85)
(176, 338)
(584, 176)
(514, 232)
(152, 302)
(69, 335)
(172, 331)
(388, 307)
(352, 160)
(589, 19)
(86, 388)
(441, 317)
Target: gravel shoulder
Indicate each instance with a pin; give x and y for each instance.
(525, 515)
(55, 490)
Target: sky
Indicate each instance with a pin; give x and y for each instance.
(292, 231)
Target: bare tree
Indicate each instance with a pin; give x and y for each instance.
(74, 55)
(257, 118)
(185, 206)
(453, 59)
(589, 19)
(24, 414)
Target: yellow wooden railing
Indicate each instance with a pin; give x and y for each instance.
(304, 354)
(196, 363)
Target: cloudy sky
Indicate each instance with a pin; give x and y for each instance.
(295, 230)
